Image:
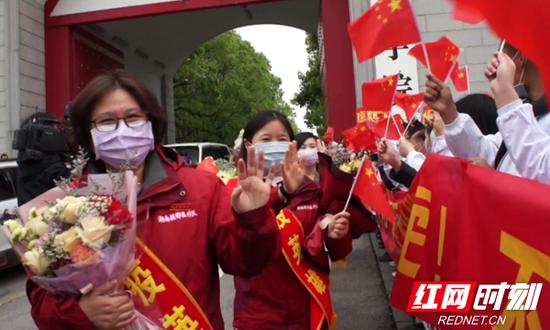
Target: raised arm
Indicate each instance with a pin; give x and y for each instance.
(462, 135)
(528, 145)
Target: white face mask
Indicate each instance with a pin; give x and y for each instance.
(274, 153)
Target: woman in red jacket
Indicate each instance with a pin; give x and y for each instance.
(277, 298)
(184, 215)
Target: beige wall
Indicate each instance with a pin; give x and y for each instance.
(22, 74)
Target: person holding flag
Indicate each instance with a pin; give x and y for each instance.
(528, 144)
(463, 136)
(293, 291)
(435, 142)
(400, 172)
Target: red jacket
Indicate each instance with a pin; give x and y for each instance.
(276, 299)
(191, 247)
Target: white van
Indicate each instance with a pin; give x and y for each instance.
(8, 203)
(194, 153)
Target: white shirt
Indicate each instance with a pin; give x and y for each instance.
(465, 140)
(440, 147)
(415, 159)
(527, 141)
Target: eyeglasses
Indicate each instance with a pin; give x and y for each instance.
(109, 124)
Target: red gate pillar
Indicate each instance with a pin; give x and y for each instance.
(339, 69)
(58, 69)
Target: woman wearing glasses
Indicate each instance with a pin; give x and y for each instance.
(185, 217)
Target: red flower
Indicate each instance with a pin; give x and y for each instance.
(117, 213)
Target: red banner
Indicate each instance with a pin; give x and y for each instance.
(316, 282)
(474, 225)
(162, 295)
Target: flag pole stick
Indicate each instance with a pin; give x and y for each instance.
(424, 49)
(501, 47)
(396, 126)
(354, 182)
(390, 115)
(387, 126)
(412, 117)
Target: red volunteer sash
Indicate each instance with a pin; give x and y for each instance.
(315, 282)
(158, 288)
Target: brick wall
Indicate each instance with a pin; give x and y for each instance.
(476, 41)
(22, 74)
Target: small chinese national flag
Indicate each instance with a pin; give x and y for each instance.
(378, 94)
(371, 193)
(461, 78)
(409, 103)
(387, 24)
(360, 137)
(442, 56)
(395, 128)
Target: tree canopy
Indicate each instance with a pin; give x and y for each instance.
(220, 86)
(310, 95)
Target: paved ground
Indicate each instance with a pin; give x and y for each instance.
(14, 307)
(358, 291)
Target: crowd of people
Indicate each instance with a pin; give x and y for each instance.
(119, 123)
(506, 131)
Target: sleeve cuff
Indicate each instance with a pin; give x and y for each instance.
(512, 106)
(440, 138)
(275, 202)
(258, 221)
(457, 125)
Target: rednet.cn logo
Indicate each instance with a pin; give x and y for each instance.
(460, 297)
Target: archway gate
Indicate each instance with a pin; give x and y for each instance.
(150, 38)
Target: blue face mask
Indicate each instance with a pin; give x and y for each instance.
(274, 154)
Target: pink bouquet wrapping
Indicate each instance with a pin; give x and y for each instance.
(79, 235)
(70, 240)
(82, 237)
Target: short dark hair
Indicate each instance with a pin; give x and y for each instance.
(415, 126)
(259, 120)
(86, 100)
(483, 110)
(302, 137)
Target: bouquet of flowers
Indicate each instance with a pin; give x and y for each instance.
(227, 172)
(346, 160)
(80, 234)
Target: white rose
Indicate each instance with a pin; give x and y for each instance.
(68, 208)
(67, 239)
(36, 227)
(19, 234)
(94, 231)
(37, 262)
(33, 214)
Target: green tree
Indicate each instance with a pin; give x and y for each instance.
(220, 86)
(310, 95)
